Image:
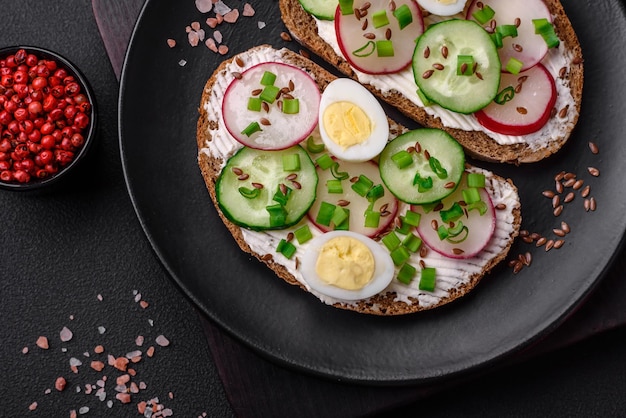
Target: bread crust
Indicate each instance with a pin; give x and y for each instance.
(382, 304)
(477, 144)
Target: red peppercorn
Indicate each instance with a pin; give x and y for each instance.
(81, 120)
(31, 60)
(39, 83)
(72, 89)
(21, 176)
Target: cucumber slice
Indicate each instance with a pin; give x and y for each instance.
(321, 9)
(249, 168)
(436, 63)
(400, 178)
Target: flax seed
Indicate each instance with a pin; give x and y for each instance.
(239, 61)
(593, 171)
(237, 171)
(513, 262)
(388, 34)
(434, 224)
(426, 154)
(439, 207)
(290, 237)
(479, 75)
(558, 210)
(369, 35)
(265, 106)
(524, 233)
(291, 177)
(304, 53)
(527, 240)
(562, 72)
(343, 203)
(267, 257)
(457, 251)
(558, 186)
(594, 148)
(392, 6)
(439, 66)
(500, 206)
(265, 122)
(423, 251)
(364, 25)
(256, 92)
(556, 201)
(518, 47)
(366, 5)
(578, 184)
(444, 52)
(586, 205)
(463, 68)
(563, 112)
(569, 183)
(569, 176)
(549, 245)
(548, 193)
(427, 74)
(585, 192)
(528, 259)
(592, 204)
(257, 185)
(569, 197)
(535, 236)
(422, 264)
(517, 22)
(558, 243)
(559, 232)
(541, 241)
(283, 188)
(243, 177)
(285, 36)
(559, 176)
(236, 74)
(427, 52)
(565, 227)
(449, 185)
(518, 267)
(296, 185)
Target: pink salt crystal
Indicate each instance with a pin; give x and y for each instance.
(193, 38)
(171, 43)
(217, 35)
(195, 25)
(232, 16)
(60, 383)
(248, 10)
(123, 397)
(32, 406)
(162, 341)
(204, 6)
(222, 50)
(150, 351)
(99, 297)
(66, 334)
(210, 43)
(24, 350)
(212, 22)
(139, 340)
(219, 17)
(42, 342)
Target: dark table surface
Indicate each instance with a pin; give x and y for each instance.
(76, 257)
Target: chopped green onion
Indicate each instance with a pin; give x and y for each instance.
(278, 215)
(456, 231)
(406, 273)
(403, 15)
(281, 197)
(312, 147)
(291, 106)
(412, 242)
(249, 193)
(269, 94)
(505, 95)
(442, 232)
(496, 37)
(412, 218)
(437, 168)
(286, 248)
(339, 175)
(452, 214)
(384, 48)
(423, 183)
(402, 159)
(391, 241)
(400, 255)
(544, 28)
(507, 31)
(425, 100)
(514, 66)
(380, 19)
(325, 161)
(471, 195)
(366, 50)
(325, 213)
(334, 186)
(254, 104)
(404, 228)
(345, 225)
(427, 279)
(303, 234)
(464, 65)
(346, 6)
(291, 162)
(372, 219)
(362, 185)
(268, 78)
(476, 180)
(428, 207)
(339, 215)
(484, 15)
(375, 193)
(481, 206)
(252, 128)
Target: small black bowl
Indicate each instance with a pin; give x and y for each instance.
(88, 133)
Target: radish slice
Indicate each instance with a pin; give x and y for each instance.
(387, 205)
(527, 47)
(534, 95)
(275, 129)
(480, 228)
(376, 38)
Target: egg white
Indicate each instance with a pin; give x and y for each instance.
(383, 271)
(440, 9)
(348, 90)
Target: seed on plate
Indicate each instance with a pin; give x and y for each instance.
(548, 193)
(291, 176)
(237, 75)
(265, 122)
(296, 185)
(438, 207)
(369, 35)
(524, 233)
(285, 36)
(563, 112)
(290, 237)
(558, 243)
(423, 251)
(434, 224)
(528, 259)
(527, 240)
(426, 154)
(426, 52)
(265, 106)
(457, 251)
(556, 201)
(439, 66)
(559, 232)
(304, 53)
(535, 236)
(569, 197)
(559, 176)
(593, 147)
(267, 257)
(565, 227)
(500, 206)
(587, 205)
(569, 182)
(364, 24)
(585, 192)
(592, 204)
(518, 267)
(237, 171)
(388, 34)
(449, 185)
(558, 186)
(343, 203)
(593, 171)
(392, 6)
(558, 210)
(549, 245)
(578, 184)
(517, 22)
(292, 86)
(518, 47)
(480, 77)
(283, 188)
(541, 241)
(239, 61)
(256, 92)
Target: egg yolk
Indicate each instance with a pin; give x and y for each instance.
(346, 124)
(345, 262)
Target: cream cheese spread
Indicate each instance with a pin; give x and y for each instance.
(404, 83)
(451, 274)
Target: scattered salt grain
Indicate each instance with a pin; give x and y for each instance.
(47, 391)
(133, 354)
(162, 341)
(222, 50)
(101, 330)
(171, 43)
(210, 43)
(32, 406)
(261, 24)
(212, 22)
(204, 6)
(248, 10)
(110, 403)
(123, 397)
(217, 35)
(97, 365)
(83, 410)
(182, 63)
(60, 383)
(25, 350)
(86, 354)
(66, 334)
(99, 297)
(99, 349)
(74, 362)
(221, 8)
(42, 342)
(139, 340)
(144, 304)
(232, 16)
(151, 322)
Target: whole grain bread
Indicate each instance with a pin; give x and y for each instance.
(477, 144)
(211, 166)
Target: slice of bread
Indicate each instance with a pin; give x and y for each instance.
(215, 145)
(477, 143)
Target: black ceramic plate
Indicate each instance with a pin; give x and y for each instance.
(505, 313)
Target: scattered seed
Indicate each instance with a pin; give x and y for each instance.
(388, 34)
(364, 25)
(548, 193)
(423, 251)
(426, 154)
(556, 201)
(524, 233)
(592, 204)
(265, 122)
(265, 106)
(296, 185)
(594, 148)
(439, 66)
(541, 241)
(369, 35)
(562, 72)
(500, 206)
(559, 176)
(558, 186)
(563, 112)
(569, 197)
(521, 110)
(586, 205)
(517, 22)
(518, 47)
(289, 237)
(578, 184)
(444, 51)
(593, 171)
(585, 192)
(518, 267)
(565, 227)
(449, 185)
(427, 52)
(434, 224)
(549, 245)
(558, 210)
(422, 264)
(243, 177)
(283, 188)
(343, 203)
(438, 207)
(427, 74)
(392, 6)
(257, 185)
(457, 251)
(569, 182)
(256, 92)
(304, 53)
(527, 240)
(559, 232)
(480, 76)
(239, 61)
(285, 36)
(558, 243)
(291, 177)
(528, 259)
(535, 236)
